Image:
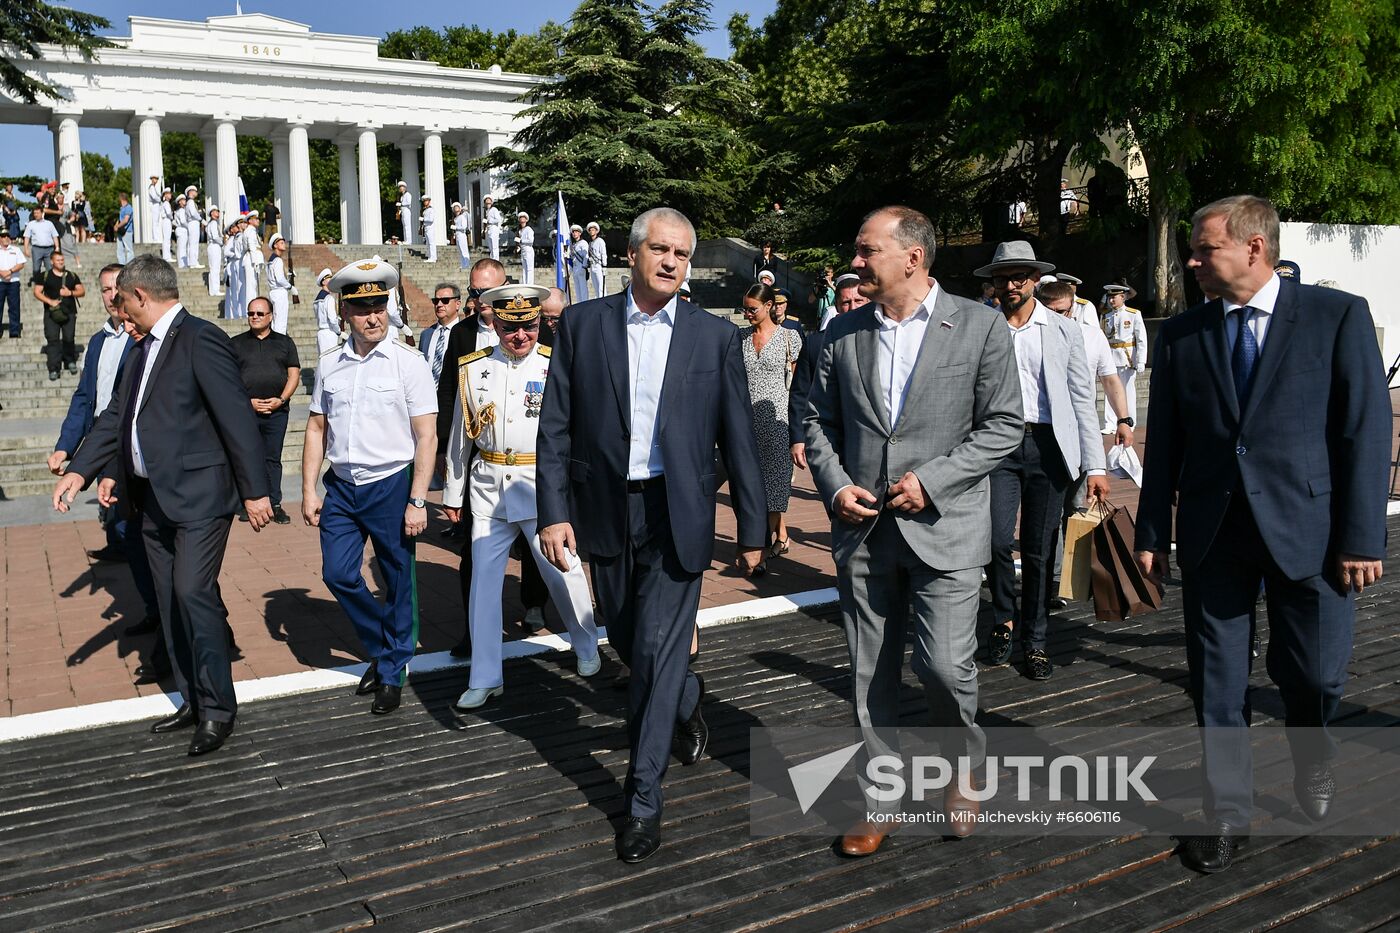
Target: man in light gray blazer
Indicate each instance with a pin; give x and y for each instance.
(1061, 441)
(915, 401)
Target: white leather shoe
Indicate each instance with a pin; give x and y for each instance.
(534, 619)
(476, 697)
(587, 667)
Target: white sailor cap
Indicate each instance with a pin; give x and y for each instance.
(365, 279)
(275, 237)
(251, 214)
(523, 214)
(573, 227)
(321, 276)
(593, 225)
(1071, 279)
(402, 184)
(166, 191)
(767, 276)
(232, 222)
(456, 205)
(847, 278)
(180, 197)
(1047, 280)
(426, 197)
(189, 188)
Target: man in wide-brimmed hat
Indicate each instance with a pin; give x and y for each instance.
(1059, 444)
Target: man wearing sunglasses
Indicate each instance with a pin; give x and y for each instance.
(271, 371)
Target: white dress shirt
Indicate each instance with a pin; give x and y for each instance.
(109, 357)
(157, 338)
(1030, 364)
(648, 347)
(368, 401)
(41, 232)
(1263, 304)
(486, 335)
(900, 343)
(11, 259)
(1097, 350)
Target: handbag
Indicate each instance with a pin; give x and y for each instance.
(1119, 587)
(1076, 581)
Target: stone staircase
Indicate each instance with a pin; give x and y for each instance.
(34, 407)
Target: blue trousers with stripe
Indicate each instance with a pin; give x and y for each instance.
(350, 515)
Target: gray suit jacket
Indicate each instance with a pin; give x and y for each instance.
(1070, 387)
(961, 416)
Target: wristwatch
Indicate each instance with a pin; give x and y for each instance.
(1128, 421)
(418, 503)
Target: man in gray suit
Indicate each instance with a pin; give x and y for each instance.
(1061, 441)
(915, 401)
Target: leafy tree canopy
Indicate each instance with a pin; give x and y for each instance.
(27, 24)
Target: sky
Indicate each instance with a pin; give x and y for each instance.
(28, 150)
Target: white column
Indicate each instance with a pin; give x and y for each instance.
(432, 178)
(210, 188)
(138, 187)
(464, 181)
(69, 162)
(495, 181)
(408, 168)
(226, 167)
(371, 225)
(301, 228)
(151, 162)
(349, 193)
(281, 194)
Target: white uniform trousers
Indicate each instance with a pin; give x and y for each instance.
(527, 265)
(281, 303)
(580, 284)
(493, 242)
(182, 246)
(430, 240)
(1128, 376)
(163, 238)
(595, 280)
(192, 243)
(491, 541)
(216, 268)
(464, 249)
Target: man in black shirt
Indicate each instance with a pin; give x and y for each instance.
(58, 290)
(271, 371)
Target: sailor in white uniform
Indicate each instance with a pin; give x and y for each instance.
(214, 248)
(404, 200)
(525, 246)
(194, 222)
(279, 284)
(597, 258)
(429, 222)
(491, 216)
(461, 223)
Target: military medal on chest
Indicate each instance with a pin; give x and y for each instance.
(534, 398)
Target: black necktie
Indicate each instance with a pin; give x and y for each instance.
(136, 364)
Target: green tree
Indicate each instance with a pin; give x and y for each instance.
(473, 47)
(639, 117)
(102, 183)
(29, 23)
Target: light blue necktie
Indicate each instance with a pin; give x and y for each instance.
(439, 349)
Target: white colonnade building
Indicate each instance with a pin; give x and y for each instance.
(259, 75)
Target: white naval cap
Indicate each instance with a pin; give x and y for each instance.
(573, 227)
(456, 205)
(767, 276)
(1115, 288)
(846, 278)
(401, 183)
(593, 225)
(426, 197)
(366, 278)
(321, 276)
(1071, 279)
(523, 214)
(190, 188)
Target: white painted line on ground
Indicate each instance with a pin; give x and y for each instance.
(135, 709)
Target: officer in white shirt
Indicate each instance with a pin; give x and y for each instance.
(253, 261)
(404, 212)
(165, 221)
(429, 222)
(194, 222)
(373, 417)
(180, 220)
(491, 216)
(1127, 338)
(501, 391)
(525, 246)
(279, 285)
(461, 223)
(153, 199)
(11, 275)
(214, 249)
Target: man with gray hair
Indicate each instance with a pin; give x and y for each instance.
(180, 441)
(642, 388)
(916, 401)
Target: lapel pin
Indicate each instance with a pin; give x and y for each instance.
(945, 324)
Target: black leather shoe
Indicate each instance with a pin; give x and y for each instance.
(690, 738)
(152, 671)
(386, 699)
(1038, 666)
(108, 554)
(1315, 787)
(210, 737)
(182, 718)
(999, 645)
(1210, 854)
(463, 649)
(280, 517)
(145, 627)
(368, 683)
(640, 837)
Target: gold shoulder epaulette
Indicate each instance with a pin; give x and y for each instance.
(543, 350)
(1132, 310)
(473, 357)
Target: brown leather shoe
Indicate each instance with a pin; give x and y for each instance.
(864, 838)
(961, 812)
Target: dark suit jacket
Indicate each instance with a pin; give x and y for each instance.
(1310, 450)
(583, 445)
(199, 436)
(82, 408)
(801, 388)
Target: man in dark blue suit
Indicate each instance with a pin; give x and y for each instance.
(643, 388)
(103, 364)
(1270, 430)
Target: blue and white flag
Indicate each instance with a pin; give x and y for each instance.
(242, 197)
(561, 241)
